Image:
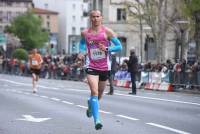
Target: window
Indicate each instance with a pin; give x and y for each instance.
(1, 28)
(18, 13)
(121, 14)
(9, 17)
(74, 6)
(9, 3)
(82, 7)
(82, 28)
(74, 18)
(48, 24)
(1, 14)
(73, 30)
(46, 6)
(82, 18)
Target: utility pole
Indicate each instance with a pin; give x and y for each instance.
(141, 31)
(141, 38)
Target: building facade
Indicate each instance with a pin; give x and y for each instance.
(50, 24)
(116, 16)
(9, 9)
(71, 21)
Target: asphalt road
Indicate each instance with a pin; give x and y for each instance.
(59, 108)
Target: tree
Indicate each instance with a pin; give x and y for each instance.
(28, 29)
(159, 15)
(20, 54)
(191, 9)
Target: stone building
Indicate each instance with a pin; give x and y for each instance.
(50, 24)
(132, 35)
(9, 9)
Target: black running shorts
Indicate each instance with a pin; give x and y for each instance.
(103, 75)
(35, 71)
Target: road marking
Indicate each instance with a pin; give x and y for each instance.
(44, 97)
(55, 99)
(33, 119)
(143, 97)
(48, 87)
(66, 102)
(19, 92)
(24, 84)
(168, 128)
(26, 93)
(13, 90)
(81, 106)
(35, 94)
(77, 90)
(105, 112)
(127, 117)
(151, 98)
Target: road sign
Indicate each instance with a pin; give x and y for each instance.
(2, 39)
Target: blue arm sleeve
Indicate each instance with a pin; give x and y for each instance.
(82, 45)
(117, 45)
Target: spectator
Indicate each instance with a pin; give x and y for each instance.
(133, 69)
(112, 73)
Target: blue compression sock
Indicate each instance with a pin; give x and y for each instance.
(95, 107)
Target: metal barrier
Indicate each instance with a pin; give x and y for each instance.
(185, 80)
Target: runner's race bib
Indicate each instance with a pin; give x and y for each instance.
(34, 62)
(97, 54)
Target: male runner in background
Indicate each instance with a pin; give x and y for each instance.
(35, 61)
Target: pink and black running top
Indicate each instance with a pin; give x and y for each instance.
(96, 58)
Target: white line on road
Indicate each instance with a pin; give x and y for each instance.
(127, 117)
(55, 99)
(48, 87)
(26, 93)
(101, 111)
(19, 92)
(46, 97)
(151, 98)
(121, 116)
(35, 94)
(168, 128)
(105, 112)
(66, 102)
(24, 84)
(81, 106)
(77, 90)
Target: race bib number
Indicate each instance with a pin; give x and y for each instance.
(34, 62)
(97, 54)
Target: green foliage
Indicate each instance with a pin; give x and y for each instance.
(20, 54)
(28, 29)
(190, 7)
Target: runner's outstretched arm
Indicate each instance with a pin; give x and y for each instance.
(82, 45)
(115, 42)
(117, 45)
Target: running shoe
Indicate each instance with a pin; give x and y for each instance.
(98, 125)
(34, 90)
(89, 110)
